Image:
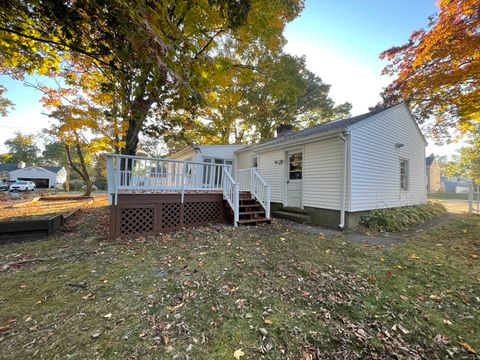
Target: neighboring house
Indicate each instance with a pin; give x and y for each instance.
(433, 174)
(42, 176)
(339, 170)
(455, 184)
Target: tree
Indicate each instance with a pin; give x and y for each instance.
(5, 104)
(248, 106)
(22, 148)
(437, 70)
(156, 57)
(466, 163)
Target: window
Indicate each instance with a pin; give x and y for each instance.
(295, 166)
(255, 161)
(403, 174)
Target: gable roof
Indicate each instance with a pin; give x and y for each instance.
(14, 167)
(335, 126)
(429, 160)
(8, 167)
(54, 169)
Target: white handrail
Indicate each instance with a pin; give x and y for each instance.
(231, 193)
(250, 180)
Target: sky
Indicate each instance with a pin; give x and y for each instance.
(341, 40)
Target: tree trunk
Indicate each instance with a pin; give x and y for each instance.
(83, 168)
(132, 137)
(67, 180)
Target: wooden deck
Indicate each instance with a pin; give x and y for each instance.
(153, 212)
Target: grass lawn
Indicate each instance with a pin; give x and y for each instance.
(268, 291)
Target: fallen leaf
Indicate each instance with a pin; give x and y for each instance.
(441, 339)
(175, 308)
(8, 325)
(414, 257)
(108, 316)
(263, 331)
(447, 322)
(166, 339)
(238, 354)
(268, 321)
(89, 296)
(95, 335)
(468, 348)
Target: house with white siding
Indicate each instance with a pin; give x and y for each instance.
(42, 176)
(331, 174)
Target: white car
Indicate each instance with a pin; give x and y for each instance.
(21, 185)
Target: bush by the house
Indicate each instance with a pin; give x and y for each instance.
(397, 219)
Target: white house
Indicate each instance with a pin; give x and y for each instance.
(333, 173)
(42, 176)
(215, 154)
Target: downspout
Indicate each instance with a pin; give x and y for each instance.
(344, 178)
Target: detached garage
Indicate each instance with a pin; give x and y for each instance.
(42, 176)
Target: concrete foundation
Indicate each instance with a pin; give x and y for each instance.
(326, 217)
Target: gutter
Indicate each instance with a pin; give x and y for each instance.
(344, 178)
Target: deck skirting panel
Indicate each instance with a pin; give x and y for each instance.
(150, 213)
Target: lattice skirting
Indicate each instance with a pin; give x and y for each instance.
(142, 214)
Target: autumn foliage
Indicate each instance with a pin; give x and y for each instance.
(438, 69)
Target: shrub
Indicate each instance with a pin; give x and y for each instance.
(397, 219)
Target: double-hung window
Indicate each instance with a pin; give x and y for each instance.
(404, 169)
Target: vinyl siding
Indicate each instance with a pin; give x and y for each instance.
(273, 174)
(244, 159)
(375, 161)
(322, 174)
(189, 155)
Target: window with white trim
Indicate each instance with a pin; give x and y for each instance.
(255, 161)
(404, 169)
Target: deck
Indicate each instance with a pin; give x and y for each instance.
(149, 196)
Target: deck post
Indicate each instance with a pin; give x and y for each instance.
(110, 179)
(117, 177)
(236, 212)
(182, 197)
(267, 200)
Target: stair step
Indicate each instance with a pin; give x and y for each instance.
(252, 212)
(293, 216)
(248, 201)
(250, 205)
(251, 221)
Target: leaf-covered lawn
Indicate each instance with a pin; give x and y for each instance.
(37, 210)
(252, 292)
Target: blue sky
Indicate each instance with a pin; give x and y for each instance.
(340, 38)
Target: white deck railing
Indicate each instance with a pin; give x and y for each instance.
(131, 173)
(231, 193)
(250, 180)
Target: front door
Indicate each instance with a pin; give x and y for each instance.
(294, 178)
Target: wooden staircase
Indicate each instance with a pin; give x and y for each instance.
(251, 211)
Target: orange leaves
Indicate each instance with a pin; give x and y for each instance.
(436, 68)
